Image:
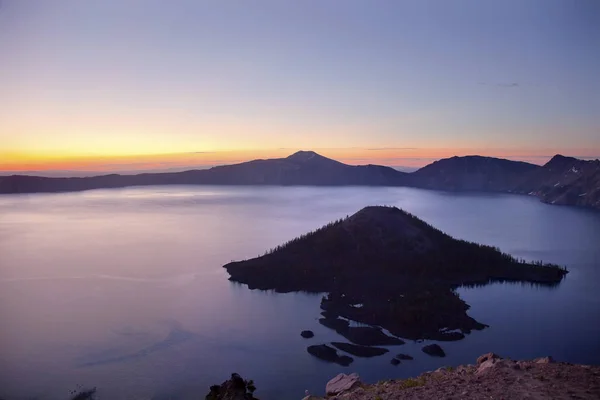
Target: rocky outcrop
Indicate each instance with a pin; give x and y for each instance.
(565, 181)
(342, 383)
(399, 357)
(235, 388)
(434, 350)
(488, 356)
(360, 351)
(544, 360)
(489, 360)
(491, 378)
(329, 354)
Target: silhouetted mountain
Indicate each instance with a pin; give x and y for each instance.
(565, 180)
(472, 173)
(376, 242)
(385, 267)
(301, 168)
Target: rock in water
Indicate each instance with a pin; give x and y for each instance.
(404, 357)
(395, 361)
(360, 351)
(329, 354)
(337, 324)
(370, 336)
(434, 350)
(307, 334)
(360, 335)
(342, 383)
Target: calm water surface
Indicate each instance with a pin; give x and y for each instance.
(124, 289)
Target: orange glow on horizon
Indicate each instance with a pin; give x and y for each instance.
(405, 157)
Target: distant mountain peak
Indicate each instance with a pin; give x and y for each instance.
(560, 160)
(561, 157)
(304, 155)
(309, 156)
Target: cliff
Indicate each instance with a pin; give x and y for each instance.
(565, 181)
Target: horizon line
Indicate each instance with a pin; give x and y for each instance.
(405, 167)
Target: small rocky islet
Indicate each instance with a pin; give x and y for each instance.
(307, 334)
(329, 354)
(434, 350)
(385, 269)
(360, 351)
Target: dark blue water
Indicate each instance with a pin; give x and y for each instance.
(124, 290)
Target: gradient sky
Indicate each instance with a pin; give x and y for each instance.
(132, 84)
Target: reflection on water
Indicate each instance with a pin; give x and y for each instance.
(123, 289)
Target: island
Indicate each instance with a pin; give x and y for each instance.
(388, 270)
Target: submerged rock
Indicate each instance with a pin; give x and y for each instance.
(395, 361)
(434, 350)
(337, 324)
(329, 354)
(360, 351)
(402, 356)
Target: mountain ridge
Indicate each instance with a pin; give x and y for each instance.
(472, 173)
(562, 180)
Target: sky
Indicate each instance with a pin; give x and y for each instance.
(128, 85)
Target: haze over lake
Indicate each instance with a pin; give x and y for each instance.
(124, 289)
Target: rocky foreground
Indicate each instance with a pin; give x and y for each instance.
(492, 377)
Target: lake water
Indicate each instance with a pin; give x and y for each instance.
(124, 289)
